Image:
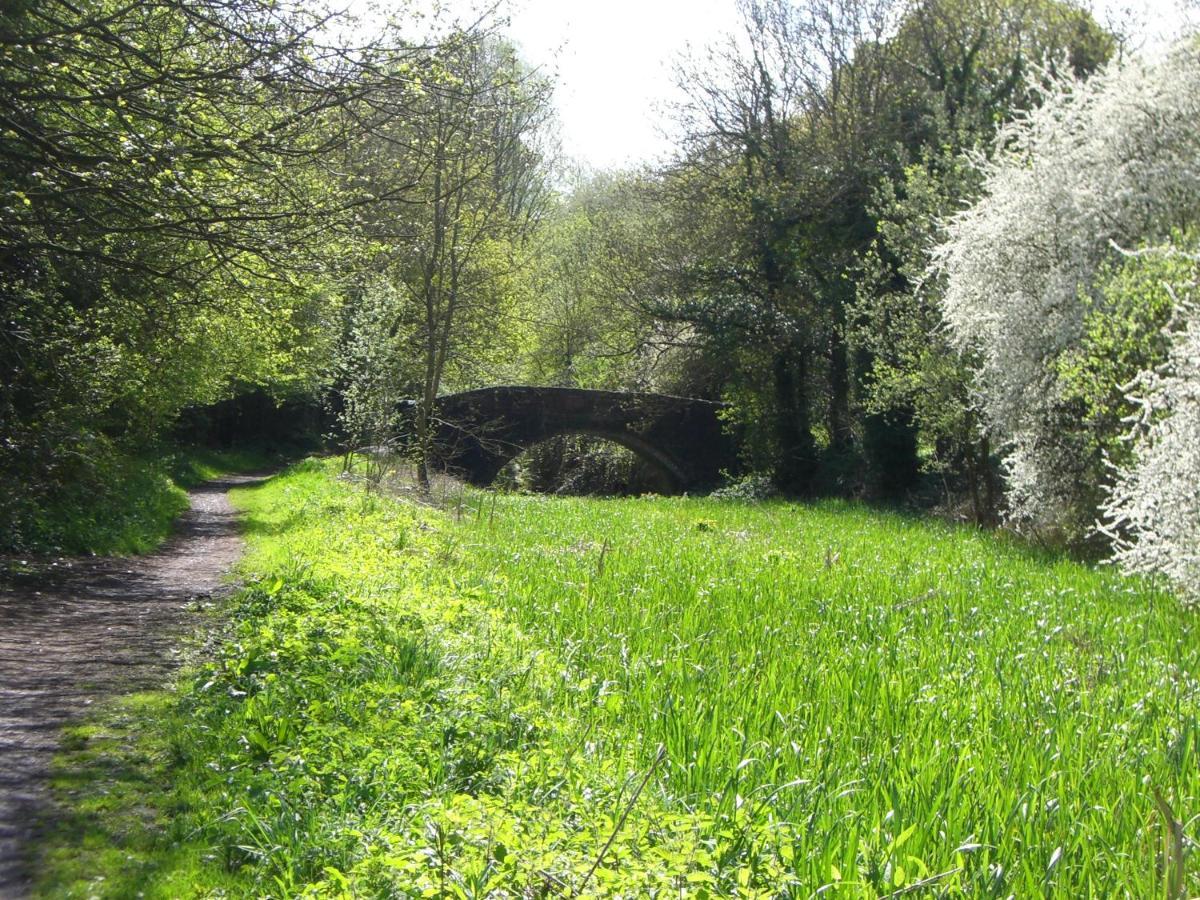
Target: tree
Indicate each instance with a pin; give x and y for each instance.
(791, 128)
(170, 216)
(912, 377)
(784, 135)
(966, 66)
(1100, 165)
(1153, 512)
(588, 278)
(450, 254)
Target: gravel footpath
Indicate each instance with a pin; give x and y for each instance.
(81, 630)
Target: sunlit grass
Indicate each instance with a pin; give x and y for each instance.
(870, 679)
(524, 696)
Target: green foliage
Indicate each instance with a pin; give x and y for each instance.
(818, 150)
(1124, 333)
(584, 329)
(752, 487)
(417, 703)
(125, 504)
(913, 373)
(121, 505)
(170, 223)
(437, 305)
(979, 61)
(976, 67)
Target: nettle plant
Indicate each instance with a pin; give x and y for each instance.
(1098, 168)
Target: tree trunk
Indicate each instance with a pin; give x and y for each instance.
(795, 446)
(890, 453)
(991, 489)
(423, 448)
(840, 437)
(974, 475)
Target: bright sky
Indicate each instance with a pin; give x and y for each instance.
(614, 60)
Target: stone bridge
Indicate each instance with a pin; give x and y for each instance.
(479, 432)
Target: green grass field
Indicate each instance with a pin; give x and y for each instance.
(527, 696)
(910, 698)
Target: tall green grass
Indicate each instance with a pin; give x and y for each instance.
(526, 696)
(910, 698)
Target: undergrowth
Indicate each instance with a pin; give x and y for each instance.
(126, 505)
(536, 697)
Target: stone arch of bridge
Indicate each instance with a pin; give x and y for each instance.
(663, 464)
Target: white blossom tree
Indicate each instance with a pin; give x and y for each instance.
(1113, 162)
(1153, 512)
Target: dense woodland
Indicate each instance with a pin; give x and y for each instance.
(936, 252)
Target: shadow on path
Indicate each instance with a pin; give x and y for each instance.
(77, 631)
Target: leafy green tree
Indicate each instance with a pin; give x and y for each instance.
(171, 220)
(914, 379)
(789, 131)
(588, 274)
(450, 248)
(969, 65)
(966, 66)
(784, 135)
(1126, 330)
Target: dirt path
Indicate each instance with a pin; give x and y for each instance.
(82, 630)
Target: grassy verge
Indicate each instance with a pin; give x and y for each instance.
(129, 504)
(542, 697)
